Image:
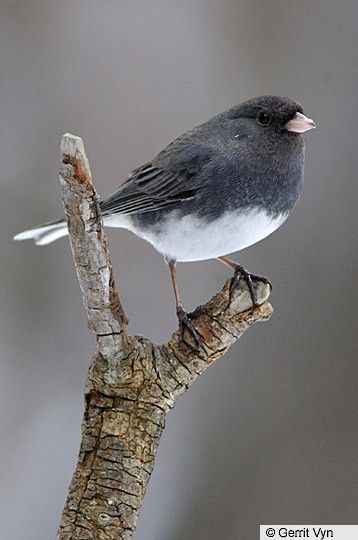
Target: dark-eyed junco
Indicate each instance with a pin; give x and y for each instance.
(218, 188)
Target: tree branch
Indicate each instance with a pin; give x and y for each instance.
(131, 384)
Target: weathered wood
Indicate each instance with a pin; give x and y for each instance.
(131, 384)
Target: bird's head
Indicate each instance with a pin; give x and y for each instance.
(272, 115)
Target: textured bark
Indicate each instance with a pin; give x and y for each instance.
(131, 384)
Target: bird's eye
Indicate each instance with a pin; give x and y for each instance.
(264, 118)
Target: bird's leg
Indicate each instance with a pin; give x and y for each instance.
(241, 272)
(183, 317)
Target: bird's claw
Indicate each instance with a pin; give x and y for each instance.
(242, 273)
(185, 323)
(200, 310)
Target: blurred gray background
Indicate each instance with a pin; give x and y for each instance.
(269, 434)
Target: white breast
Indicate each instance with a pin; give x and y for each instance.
(192, 239)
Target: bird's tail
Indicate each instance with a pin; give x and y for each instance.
(44, 234)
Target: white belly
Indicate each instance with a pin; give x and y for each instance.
(192, 239)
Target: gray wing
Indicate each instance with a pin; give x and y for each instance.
(173, 176)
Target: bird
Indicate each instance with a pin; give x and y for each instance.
(218, 188)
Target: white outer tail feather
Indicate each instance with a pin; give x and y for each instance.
(51, 236)
(49, 232)
(45, 234)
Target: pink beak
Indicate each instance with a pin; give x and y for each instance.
(300, 123)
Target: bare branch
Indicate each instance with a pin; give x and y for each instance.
(89, 246)
(131, 384)
(225, 319)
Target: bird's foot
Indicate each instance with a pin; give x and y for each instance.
(200, 310)
(185, 323)
(242, 273)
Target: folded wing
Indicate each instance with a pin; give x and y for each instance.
(171, 177)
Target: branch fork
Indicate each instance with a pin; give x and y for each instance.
(131, 384)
